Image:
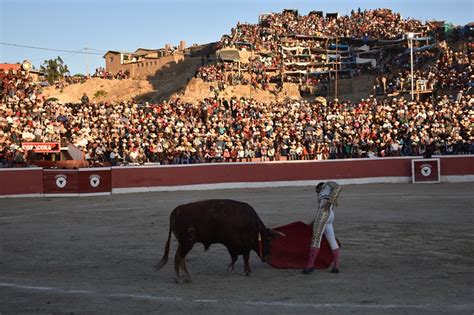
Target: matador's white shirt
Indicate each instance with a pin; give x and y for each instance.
(330, 191)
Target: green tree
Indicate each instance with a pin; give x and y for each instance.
(54, 69)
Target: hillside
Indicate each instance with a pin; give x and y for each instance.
(171, 78)
(198, 89)
(162, 85)
(102, 90)
(114, 90)
(170, 86)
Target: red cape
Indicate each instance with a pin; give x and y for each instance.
(292, 251)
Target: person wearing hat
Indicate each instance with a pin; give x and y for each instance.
(18, 157)
(85, 99)
(328, 195)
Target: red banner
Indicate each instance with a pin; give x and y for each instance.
(42, 147)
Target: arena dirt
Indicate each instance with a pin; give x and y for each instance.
(405, 249)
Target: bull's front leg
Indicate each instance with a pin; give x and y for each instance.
(247, 270)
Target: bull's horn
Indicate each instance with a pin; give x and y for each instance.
(279, 233)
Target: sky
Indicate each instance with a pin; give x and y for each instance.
(96, 26)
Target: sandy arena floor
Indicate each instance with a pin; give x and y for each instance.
(406, 249)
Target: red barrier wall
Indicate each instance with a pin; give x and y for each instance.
(457, 165)
(258, 172)
(21, 181)
(129, 178)
(122, 179)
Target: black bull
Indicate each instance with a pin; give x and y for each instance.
(232, 223)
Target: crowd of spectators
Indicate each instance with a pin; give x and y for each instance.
(367, 24)
(450, 70)
(18, 96)
(213, 130)
(102, 73)
(225, 75)
(268, 38)
(212, 73)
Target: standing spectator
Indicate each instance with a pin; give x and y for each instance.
(114, 157)
(85, 99)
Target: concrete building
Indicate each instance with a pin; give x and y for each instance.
(143, 62)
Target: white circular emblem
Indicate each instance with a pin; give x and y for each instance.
(426, 170)
(61, 181)
(94, 180)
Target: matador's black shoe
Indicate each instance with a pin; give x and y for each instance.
(334, 270)
(308, 270)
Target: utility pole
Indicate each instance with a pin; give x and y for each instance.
(335, 83)
(87, 61)
(282, 63)
(410, 37)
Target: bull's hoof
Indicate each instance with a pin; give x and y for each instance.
(183, 279)
(247, 273)
(308, 271)
(230, 267)
(334, 270)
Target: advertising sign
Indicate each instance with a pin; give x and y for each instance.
(42, 147)
(426, 171)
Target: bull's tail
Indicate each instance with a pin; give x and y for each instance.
(164, 259)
